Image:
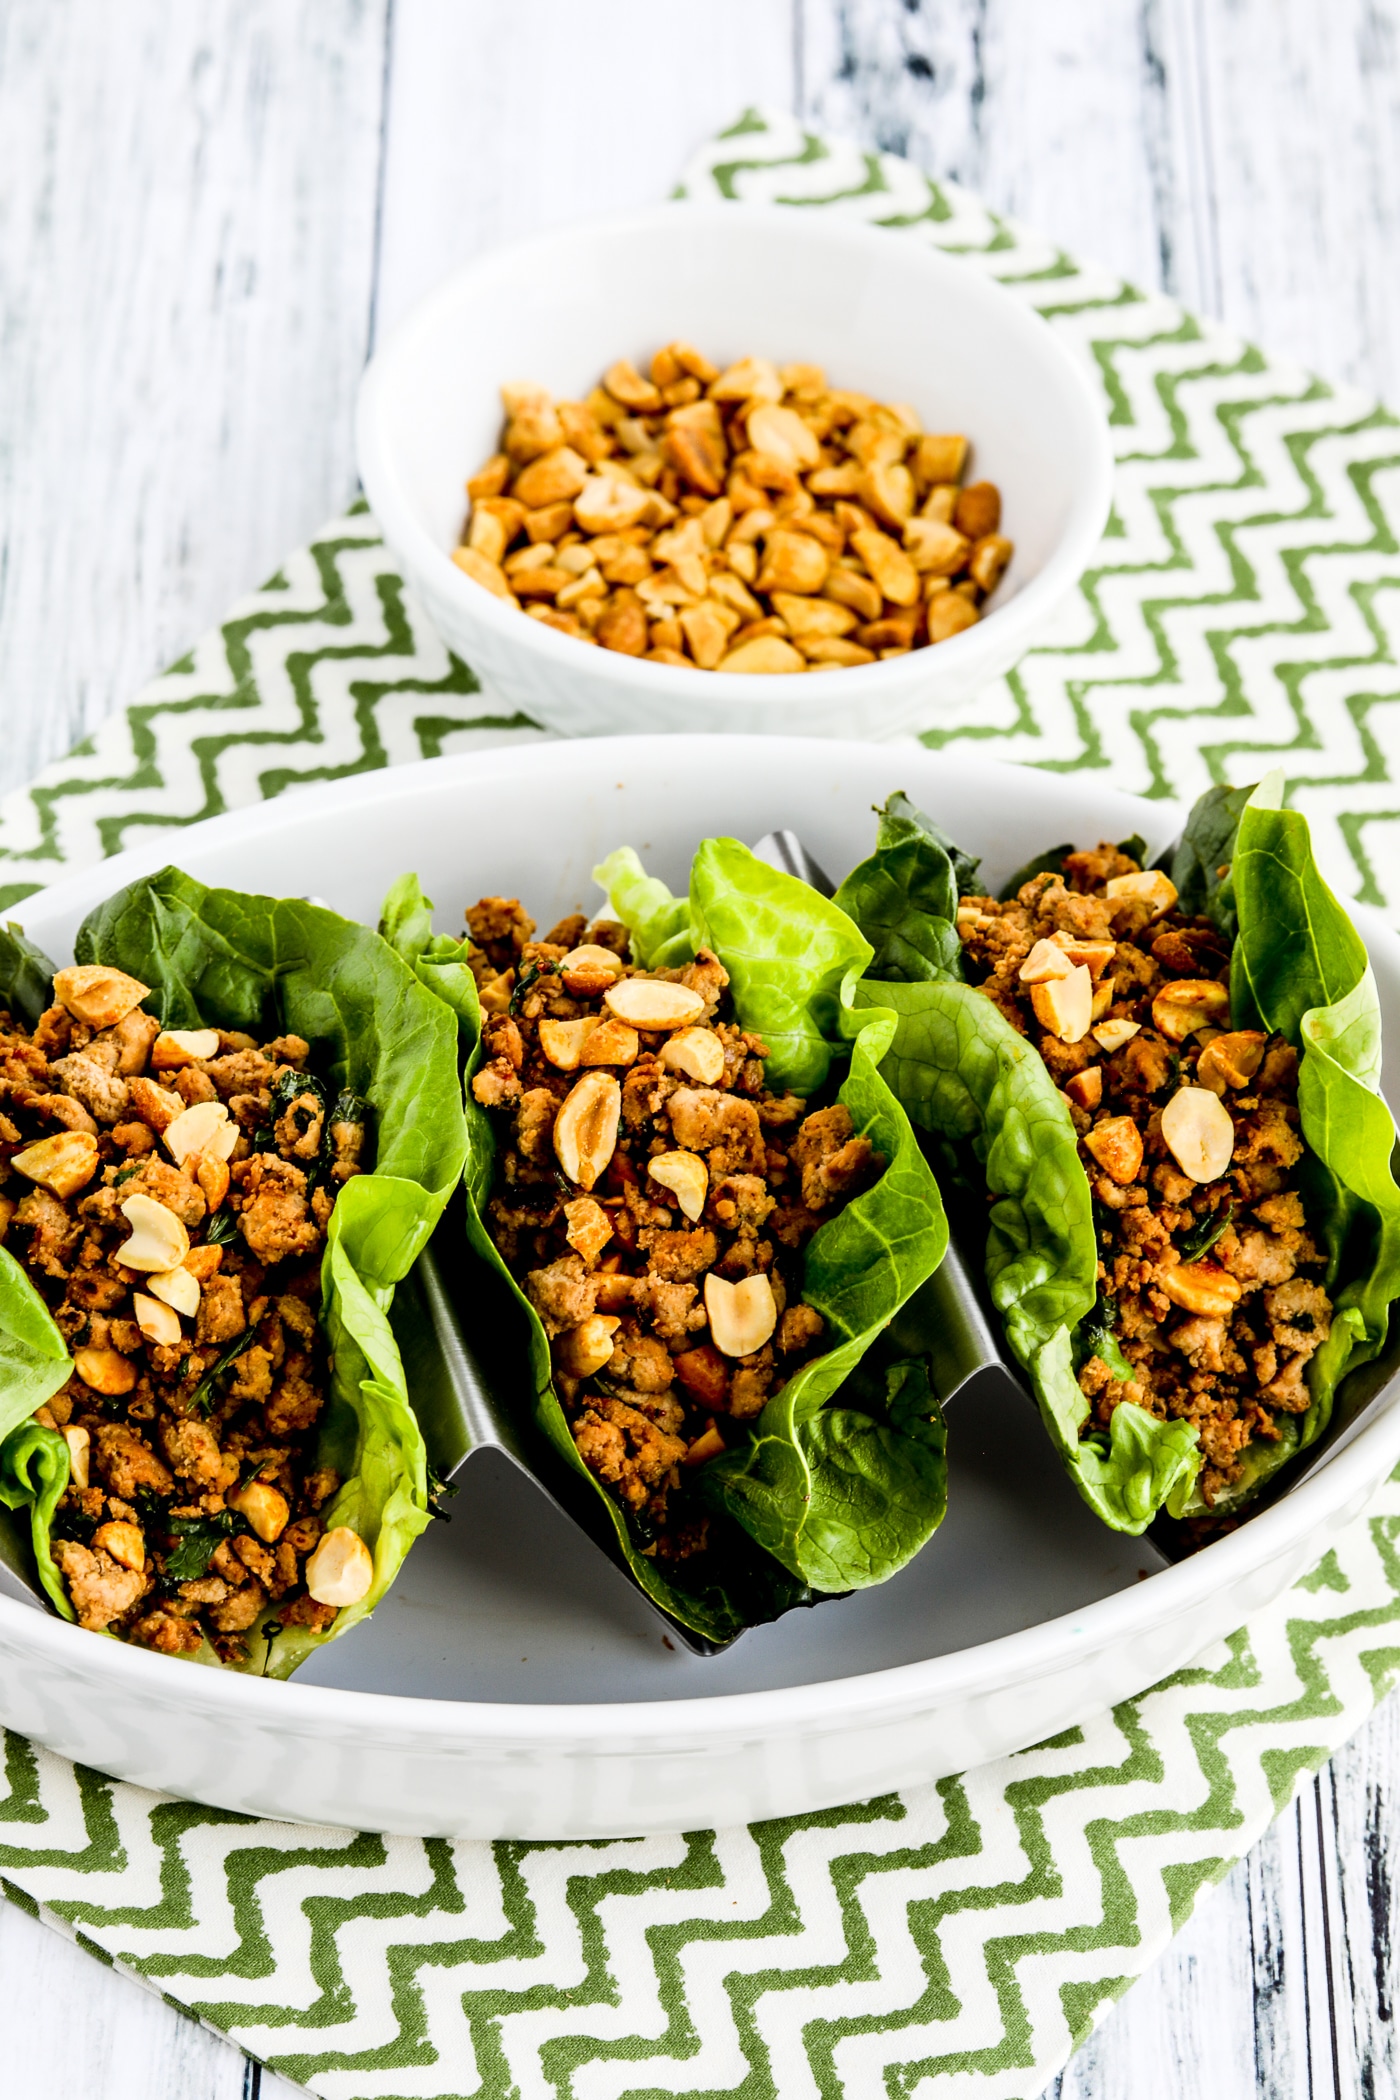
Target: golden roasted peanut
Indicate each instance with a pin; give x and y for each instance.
(766, 653)
(79, 1444)
(842, 480)
(7, 1211)
(934, 549)
(734, 592)
(1189, 1003)
(623, 626)
(1065, 1005)
(1116, 1144)
(626, 384)
(715, 521)
(265, 1508)
(1230, 1060)
(889, 565)
(340, 1571)
(570, 596)
(212, 1175)
(543, 580)
(1095, 955)
(1150, 885)
(977, 510)
(938, 504)
(123, 1542)
(486, 536)
(742, 1315)
(949, 614)
(510, 513)
(939, 459)
(534, 428)
(588, 1228)
(782, 435)
(793, 561)
(752, 524)
(105, 1370)
(707, 628)
(562, 1041)
(555, 477)
(583, 1350)
(832, 653)
(205, 1126)
(654, 1003)
(1103, 997)
(698, 1052)
(1198, 1132)
(585, 1129)
(887, 489)
(691, 361)
(487, 573)
(1111, 1035)
(1200, 1287)
(607, 503)
(98, 994)
(159, 1323)
(809, 618)
(1086, 1087)
(178, 1288)
(707, 1445)
(1047, 960)
(491, 479)
(590, 969)
(63, 1164)
(687, 1178)
(519, 394)
(175, 1047)
(158, 1239)
(610, 1043)
(751, 379)
(583, 431)
(854, 588)
(877, 440)
(743, 561)
(698, 457)
(987, 563)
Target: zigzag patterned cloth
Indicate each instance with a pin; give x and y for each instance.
(961, 1939)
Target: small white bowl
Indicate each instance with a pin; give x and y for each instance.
(882, 312)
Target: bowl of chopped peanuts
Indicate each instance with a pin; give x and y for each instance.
(747, 442)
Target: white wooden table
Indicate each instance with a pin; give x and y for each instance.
(210, 209)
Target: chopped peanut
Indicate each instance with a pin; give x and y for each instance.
(753, 519)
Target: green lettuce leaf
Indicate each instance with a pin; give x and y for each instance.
(904, 898)
(792, 955)
(826, 1496)
(964, 1074)
(1200, 868)
(26, 975)
(223, 958)
(1300, 967)
(33, 1475)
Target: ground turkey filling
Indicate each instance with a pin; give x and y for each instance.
(654, 1198)
(193, 1496)
(1206, 1269)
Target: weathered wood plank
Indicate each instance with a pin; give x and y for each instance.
(187, 202)
(509, 118)
(74, 2029)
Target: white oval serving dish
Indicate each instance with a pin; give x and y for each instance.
(881, 311)
(513, 1684)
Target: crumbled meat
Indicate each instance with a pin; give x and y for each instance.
(220, 1316)
(1174, 1253)
(643, 1257)
(562, 1294)
(276, 1218)
(126, 1463)
(99, 1588)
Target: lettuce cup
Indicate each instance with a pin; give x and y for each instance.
(226, 1132)
(684, 1157)
(1167, 1082)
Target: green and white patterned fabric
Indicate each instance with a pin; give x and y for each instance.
(956, 1940)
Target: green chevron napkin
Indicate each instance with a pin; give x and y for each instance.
(960, 1939)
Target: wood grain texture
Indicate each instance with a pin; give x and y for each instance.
(187, 204)
(208, 208)
(505, 119)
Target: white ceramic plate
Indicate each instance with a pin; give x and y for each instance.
(513, 1684)
(880, 310)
